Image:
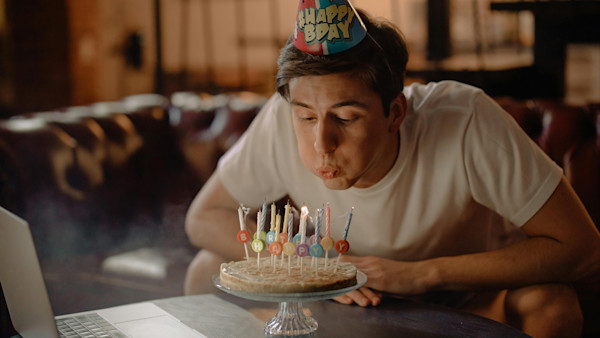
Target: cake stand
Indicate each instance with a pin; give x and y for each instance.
(290, 319)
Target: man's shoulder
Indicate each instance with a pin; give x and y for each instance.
(443, 85)
(277, 102)
(446, 93)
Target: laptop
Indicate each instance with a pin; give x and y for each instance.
(29, 306)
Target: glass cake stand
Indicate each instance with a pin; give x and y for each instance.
(290, 319)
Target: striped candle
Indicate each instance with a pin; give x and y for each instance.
(327, 221)
(348, 224)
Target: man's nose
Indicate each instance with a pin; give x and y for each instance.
(326, 139)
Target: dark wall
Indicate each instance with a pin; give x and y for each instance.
(37, 53)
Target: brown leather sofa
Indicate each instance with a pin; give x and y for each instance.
(115, 174)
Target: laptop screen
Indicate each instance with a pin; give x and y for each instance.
(6, 327)
(22, 281)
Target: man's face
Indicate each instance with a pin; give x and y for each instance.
(343, 135)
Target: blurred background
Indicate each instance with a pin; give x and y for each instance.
(113, 114)
(72, 52)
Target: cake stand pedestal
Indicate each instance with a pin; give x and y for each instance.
(290, 319)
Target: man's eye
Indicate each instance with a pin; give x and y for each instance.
(306, 118)
(346, 120)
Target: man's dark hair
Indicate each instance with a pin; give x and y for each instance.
(379, 60)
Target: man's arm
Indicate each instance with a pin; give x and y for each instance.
(212, 221)
(563, 246)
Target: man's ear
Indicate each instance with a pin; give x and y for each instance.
(398, 108)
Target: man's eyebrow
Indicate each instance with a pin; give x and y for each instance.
(352, 103)
(296, 103)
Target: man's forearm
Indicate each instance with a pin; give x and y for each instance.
(215, 230)
(563, 245)
(533, 261)
(212, 221)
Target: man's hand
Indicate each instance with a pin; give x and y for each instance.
(362, 296)
(383, 275)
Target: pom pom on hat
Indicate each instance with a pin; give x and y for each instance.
(326, 27)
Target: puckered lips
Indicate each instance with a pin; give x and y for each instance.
(327, 172)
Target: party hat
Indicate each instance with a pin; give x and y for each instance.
(326, 27)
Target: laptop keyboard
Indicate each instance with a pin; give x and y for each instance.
(88, 325)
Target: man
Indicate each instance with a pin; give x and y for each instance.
(453, 201)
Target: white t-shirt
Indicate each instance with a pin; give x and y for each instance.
(466, 177)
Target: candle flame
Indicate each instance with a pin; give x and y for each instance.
(305, 210)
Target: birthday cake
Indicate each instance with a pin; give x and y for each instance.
(283, 278)
(295, 263)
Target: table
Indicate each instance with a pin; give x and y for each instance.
(557, 23)
(224, 315)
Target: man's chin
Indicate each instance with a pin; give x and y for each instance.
(336, 183)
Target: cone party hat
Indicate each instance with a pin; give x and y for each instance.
(326, 27)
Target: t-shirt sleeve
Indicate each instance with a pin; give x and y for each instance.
(249, 170)
(507, 171)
